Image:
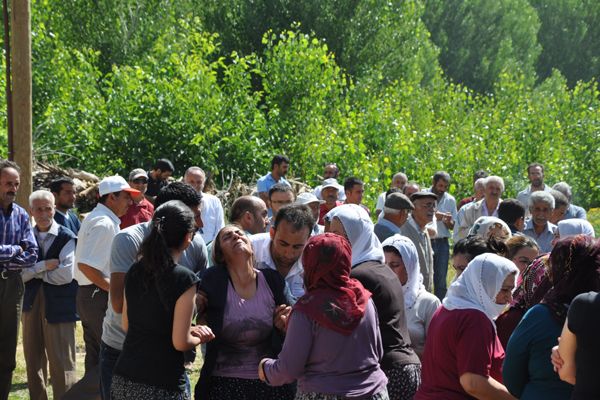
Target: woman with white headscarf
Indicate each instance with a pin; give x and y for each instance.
(401, 256)
(400, 363)
(490, 227)
(463, 356)
(575, 226)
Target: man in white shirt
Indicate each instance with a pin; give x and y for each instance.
(281, 248)
(212, 209)
(92, 273)
(399, 180)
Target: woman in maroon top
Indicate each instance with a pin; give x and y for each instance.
(463, 356)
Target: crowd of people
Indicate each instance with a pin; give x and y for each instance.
(300, 295)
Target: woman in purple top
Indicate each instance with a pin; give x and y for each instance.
(245, 310)
(332, 345)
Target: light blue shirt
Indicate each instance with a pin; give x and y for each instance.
(544, 240)
(446, 204)
(266, 182)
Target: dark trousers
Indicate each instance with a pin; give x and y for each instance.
(11, 303)
(108, 360)
(91, 307)
(441, 256)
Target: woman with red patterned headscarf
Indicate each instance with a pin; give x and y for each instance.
(332, 345)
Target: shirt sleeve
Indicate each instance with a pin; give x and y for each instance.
(295, 352)
(261, 185)
(65, 271)
(123, 252)
(27, 242)
(578, 312)
(475, 346)
(380, 202)
(93, 249)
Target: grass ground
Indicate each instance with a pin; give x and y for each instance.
(19, 387)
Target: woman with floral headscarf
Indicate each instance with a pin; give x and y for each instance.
(332, 346)
(401, 256)
(463, 356)
(528, 372)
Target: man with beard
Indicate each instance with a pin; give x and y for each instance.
(18, 250)
(539, 227)
(535, 174)
(281, 248)
(63, 190)
(415, 229)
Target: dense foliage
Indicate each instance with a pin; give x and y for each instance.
(375, 86)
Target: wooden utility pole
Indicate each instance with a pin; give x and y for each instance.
(21, 89)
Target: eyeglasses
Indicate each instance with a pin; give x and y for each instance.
(140, 181)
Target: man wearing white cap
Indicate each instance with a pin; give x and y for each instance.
(329, 192)
(313, 203)
(92, 257)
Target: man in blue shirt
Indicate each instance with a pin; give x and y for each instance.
(63, 190)
(279, 167)
(18, 250)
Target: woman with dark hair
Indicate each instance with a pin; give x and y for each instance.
(157, 312)
(528, 372)
(522, 250)
(470, 247)
(463, 357)
(332, 346)
(401, 256)
(400, 363)
(247, 310)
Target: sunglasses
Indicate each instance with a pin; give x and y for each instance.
(140, 180)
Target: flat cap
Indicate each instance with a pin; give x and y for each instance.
(398, 201)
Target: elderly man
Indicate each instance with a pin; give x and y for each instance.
(416, 230)
(331, 171)
(330, 191)
(573, 211)
(535, 175)
(396, 209)
(49, 311)
(310, 200)
(92, 272)
(279, 167)
(445, 218)
(281, 248)
(63, 190)
(140, 210)
(539, 227)
(123, 254)
(18, 250)
(158, 178)
(212, 210)
(488, 206)
(399, 180)
(561, 205)
(478, 180)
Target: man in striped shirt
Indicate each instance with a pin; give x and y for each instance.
(18, 250)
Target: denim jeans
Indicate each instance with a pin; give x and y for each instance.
(441, 256)
(108, 360)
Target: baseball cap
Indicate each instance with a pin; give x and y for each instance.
(137, 173)
(398, 201)
(113, 184)
(307, 198)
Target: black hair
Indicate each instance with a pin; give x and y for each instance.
(178, 191)
(9, 164)
(351, 181)
(441, 175)
(164, 165)
(56, 185)
(241, 205)
(298, 215)
(280, 187)
(171, 222)
(393, 190)
(278, 160)
(480, 174)
(533, 165)
(510, 211)
(472, 246)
